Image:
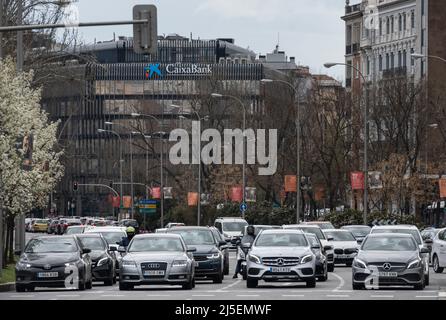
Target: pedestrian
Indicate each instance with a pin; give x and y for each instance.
(247, 238)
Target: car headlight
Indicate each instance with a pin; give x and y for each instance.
(215, 255)
(254, 258)
(179, 263)
(306, 259)
(414, 264)
(23, 265)
(102, 261)
(70, 264)
(127, 263)
(359, 264)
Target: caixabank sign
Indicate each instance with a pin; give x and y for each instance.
(157, 71)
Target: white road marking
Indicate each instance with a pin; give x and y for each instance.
(112, 295)
(22, 296)
(338, 295)
(203, 295)
(247, 295)
(426, 297)
(341, 280)
(442, 294)
(230, 286)
(381, 296)
(68, 295)
(158, 295)
(293, 295)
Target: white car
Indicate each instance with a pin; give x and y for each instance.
(439, 251)
(407, 229)
(231, 229)
(345, 245)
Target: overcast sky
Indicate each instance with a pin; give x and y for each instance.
(310, 30)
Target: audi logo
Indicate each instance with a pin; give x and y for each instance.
(153, 266)
(387, 266)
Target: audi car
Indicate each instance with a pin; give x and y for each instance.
(281, 255)
(389, 259)
(54, 262)
(345, 245)
(157, 259)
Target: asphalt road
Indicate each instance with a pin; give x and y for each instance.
(337, 287)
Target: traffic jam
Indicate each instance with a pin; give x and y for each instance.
(80, 253)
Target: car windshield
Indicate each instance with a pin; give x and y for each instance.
(313, 241)
(325, 225)
(358, 231)
(389, 243)
(340, 235)
(195, 236)
(314, 230)
(93, 243)
(413, 232)
(130, 223)
(234, 226)
(113, 236)
(54, 245)
(75, 230)
(155, 244)
(281, 240)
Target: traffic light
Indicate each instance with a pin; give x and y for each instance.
(145, 36)
(75, 186)
(111, 184)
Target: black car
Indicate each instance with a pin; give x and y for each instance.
(321, 259)
(223, 248)
(103, 259)
(54, 262)
(209, 259)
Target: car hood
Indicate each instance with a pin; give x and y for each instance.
(140, 257)
(204, 249)
(41, 259)
(387, 256)
(97, 254)
(280, 251)
(344, 244)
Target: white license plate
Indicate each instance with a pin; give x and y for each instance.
(342, 256)
(280, 270)
(154, 273)
(388, 274)
(48, 274)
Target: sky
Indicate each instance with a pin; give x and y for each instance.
(310, 30)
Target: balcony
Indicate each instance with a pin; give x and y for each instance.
(353, 8)
(395, 72)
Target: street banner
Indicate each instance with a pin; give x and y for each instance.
(127, 202)
(375, 180)
(192, 199)
(116, 202)
(319, 195)
(357, 180)
(156, 193)
(250, 194)
(442, 184)
(168, 193)
(205, 199)
(290, 183)
(236, 194)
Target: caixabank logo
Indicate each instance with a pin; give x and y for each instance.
(151, 70)
(154, 70)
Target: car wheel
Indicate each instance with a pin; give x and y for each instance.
(358, 286)
(81, 285)
(125, 286)
(311, 283)
(252, 283)
(189, 285)
(330, 268)
(20, 288)
(218, 278)
(436, 265)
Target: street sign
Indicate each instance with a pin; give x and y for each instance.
(243, 207)
(145, 36)
(147, 206)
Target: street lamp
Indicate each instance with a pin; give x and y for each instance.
(418, 56)
(139, 115)
(298, 143)
(220, 96)
(120, 158)
(366, 131)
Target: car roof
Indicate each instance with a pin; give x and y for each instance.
(288, 226)
(189, 228)
(399, 226)
(52, 237)
(106, 229)
(355, 226)
(282, 231)
(230, 219)
(158, 235)
(335, 230)
(398, 235)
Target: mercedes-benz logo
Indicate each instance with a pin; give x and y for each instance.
(387, 266)
(47, 267)
(280, 261)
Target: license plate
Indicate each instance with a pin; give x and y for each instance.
(342, 256)
(48, 274)
(388, 274)
(154, 273)
(280, 270)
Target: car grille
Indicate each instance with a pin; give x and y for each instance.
(280, 261)
(48, 268)
(200, 258)
(154, 266)
(345, 251)
(395, 266)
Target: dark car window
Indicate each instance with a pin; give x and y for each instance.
(155, 244)
(340, 235)
(195, 236)
(93, 243)
(234, 226)
(414, 233)
(314, 230)
(56, 245)
(358, 231)
(281, 240)
(389, 244)
(314, 242)
(218, 226)
(113, 236)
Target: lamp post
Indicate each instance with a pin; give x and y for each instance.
(120, 161)
(366, 132)
(221, 96)
(421, 56)
(298, 141)
(139, 115)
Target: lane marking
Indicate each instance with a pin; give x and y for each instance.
(203, 295)
(338, 295)
(247, 295)
(22, 296)
(293, 295)
(68, 295)
(112, 295)
(442, 294)
(341, 280)
(426, 297)
(381, 296)
(230, 286)
(158, 295)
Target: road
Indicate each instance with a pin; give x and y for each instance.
(337, 287)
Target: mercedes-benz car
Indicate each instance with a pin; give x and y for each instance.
(54, 262)
(358, 231)
(321, 260)
(389, 259)
(345, 245)
(415, 233)
(316, 230)
(278, 255)
(157, 259)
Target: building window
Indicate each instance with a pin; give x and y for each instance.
(412, 51)
(392, 24)
(400, 61)
(380, 62)
(400, 23)
(404, 58)
(422, 7)
(368, 66)
(387, 61)
(388, 26)
(404, 22)
(392, 60)
(422, 37)
(380, 27)
(412, 19)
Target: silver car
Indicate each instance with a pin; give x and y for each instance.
(389, 259)
(279, 255)
(157, 259)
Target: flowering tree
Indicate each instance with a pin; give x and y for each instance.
(21, 115)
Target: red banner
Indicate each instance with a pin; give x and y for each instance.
(192, 199)
(127, 201)
(320, 194)
(442, 185)
(116, 201)
(290, 184)
(156, 193)
(237, 194)
(357, 180)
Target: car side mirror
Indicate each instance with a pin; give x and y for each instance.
(121, 249)
(86, 250)
(424, 250)
(327, 248)
(428, 241)
(330, 238)
(221, 243)
(191, 249)
(246, 246)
